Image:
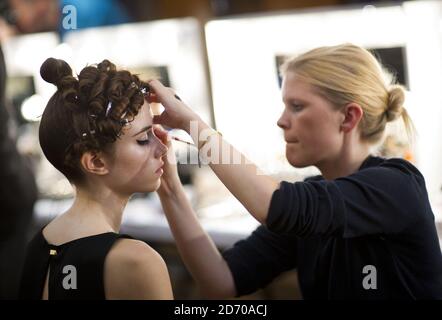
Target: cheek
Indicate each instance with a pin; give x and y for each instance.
(131, 160)
(319, 138)
(318, 130)
(133, 171)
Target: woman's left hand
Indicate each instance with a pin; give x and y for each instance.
(170, 179)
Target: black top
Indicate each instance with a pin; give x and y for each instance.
(370, 235)
(75, 267)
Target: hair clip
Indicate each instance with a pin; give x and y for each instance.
(84, 134)
(124, 122)
(109, 106)
(144, 90)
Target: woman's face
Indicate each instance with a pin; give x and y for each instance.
(311, 124)
(136, 161)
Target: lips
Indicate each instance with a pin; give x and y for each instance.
(290, 140)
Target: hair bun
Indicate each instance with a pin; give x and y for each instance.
(54, 70)
(396, 98)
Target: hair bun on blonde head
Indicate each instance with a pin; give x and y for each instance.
(54, 70)
(396, 98)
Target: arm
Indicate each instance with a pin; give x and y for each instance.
(380, 199)
(253, 190)
(384, 199)
(260, 258)
(197, 250)
(134, 271)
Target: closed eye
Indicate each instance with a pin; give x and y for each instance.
(145, 138)
(143, 142)
(296, 107)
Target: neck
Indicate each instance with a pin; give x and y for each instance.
(98, 211)
(347, 162)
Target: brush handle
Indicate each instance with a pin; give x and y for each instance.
(178, 139)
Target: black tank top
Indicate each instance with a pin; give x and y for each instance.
(76, 268)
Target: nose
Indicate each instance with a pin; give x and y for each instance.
(283, 122)
(160, 148)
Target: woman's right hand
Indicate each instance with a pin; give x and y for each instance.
(177, 114)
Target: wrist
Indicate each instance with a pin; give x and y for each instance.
(171, 183)
(171, 194)
(194, 124)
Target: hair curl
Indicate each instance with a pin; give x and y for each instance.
(86, 113)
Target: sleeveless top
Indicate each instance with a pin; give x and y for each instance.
(76, 268)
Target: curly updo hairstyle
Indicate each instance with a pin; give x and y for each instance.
(86, 113)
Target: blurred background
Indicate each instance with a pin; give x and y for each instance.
(222, 57)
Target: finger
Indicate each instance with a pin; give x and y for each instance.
(161, 92)
(162, 135)
(159, 131)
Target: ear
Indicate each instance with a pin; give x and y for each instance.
(352, 113)
(93, 162)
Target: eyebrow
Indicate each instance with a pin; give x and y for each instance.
(142, 130)
(295, 100)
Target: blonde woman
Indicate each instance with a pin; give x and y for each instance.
(363, 229)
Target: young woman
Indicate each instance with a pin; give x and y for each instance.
(363, 229)
(97, 130)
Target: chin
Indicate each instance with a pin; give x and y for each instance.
(152, 186)
(297, 162)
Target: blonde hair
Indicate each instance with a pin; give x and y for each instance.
(348, 73)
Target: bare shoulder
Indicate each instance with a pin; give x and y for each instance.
(134, 270)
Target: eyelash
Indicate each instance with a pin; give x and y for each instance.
(143, 142)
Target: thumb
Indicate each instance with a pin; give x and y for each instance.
(162, 135)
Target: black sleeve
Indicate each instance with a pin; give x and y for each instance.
(257, 260)
(384, 199)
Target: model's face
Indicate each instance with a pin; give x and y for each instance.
(136, 161)
(311, 124)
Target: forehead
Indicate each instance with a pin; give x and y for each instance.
(142, 119)
(294, 87)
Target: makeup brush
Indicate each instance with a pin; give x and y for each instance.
(178, 139)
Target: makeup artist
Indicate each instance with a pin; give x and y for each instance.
(363, 229)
